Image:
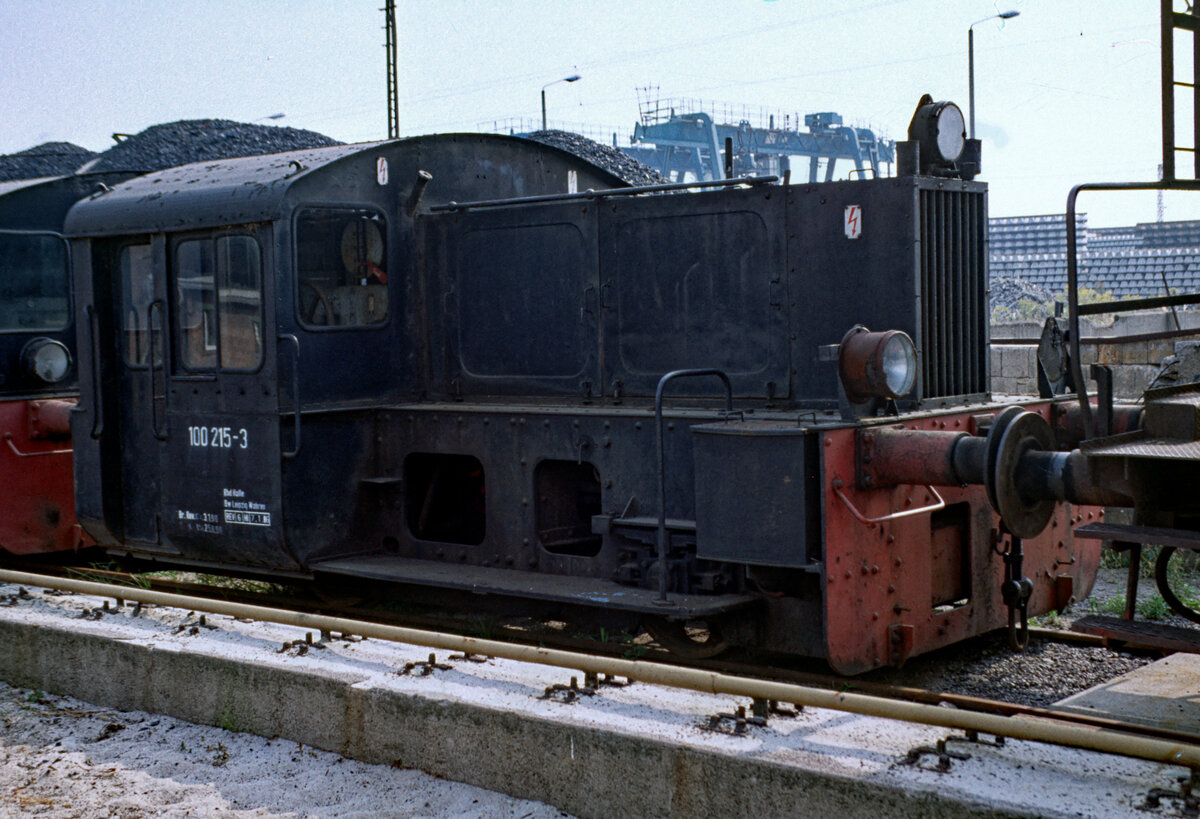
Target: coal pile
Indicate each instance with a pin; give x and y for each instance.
(1015, 298)
(202, 140)
(614, 161)
(47, 159)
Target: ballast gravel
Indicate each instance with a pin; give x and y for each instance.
(63, 758)
(1043, 674)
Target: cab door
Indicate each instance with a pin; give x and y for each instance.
(215, 404)
(120, 292)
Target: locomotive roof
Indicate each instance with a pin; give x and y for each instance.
(42, 203)
(13, 185)
(257, 188)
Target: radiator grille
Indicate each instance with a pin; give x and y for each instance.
(954, 320)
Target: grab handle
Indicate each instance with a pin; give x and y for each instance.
(9, 437)
(94, 355)
(871, 522)
(295, 392)
(155, 365)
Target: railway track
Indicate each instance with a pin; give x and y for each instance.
(763, 683)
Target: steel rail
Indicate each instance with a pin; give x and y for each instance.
(663, 656)
(119, 578)
(1036, 730)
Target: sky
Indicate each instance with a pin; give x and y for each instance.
(1067, 92)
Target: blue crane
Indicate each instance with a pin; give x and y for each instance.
(683, 144)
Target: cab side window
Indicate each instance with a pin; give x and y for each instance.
(239, 300)
(218, 303)
(341, 258)
(137, 292)
(35, 289)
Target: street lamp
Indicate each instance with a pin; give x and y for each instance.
(1004, 15)
(571, 78)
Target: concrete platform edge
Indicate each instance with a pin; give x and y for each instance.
(585, 771)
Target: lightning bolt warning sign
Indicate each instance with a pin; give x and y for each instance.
(853, 220)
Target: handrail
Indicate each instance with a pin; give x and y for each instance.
(295, 392)
(662, 479)
(151, 368)
(93, 322)
(605, 193)
(8, 436)
(1073, 278)
(871, 522)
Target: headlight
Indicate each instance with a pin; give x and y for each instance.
(939, 127)
(47, 360)
(939, 133)
(899, 363)
(877, 365)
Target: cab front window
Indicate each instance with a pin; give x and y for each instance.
(34, 283)
(218, 303)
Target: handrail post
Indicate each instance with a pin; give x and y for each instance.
(662, 479)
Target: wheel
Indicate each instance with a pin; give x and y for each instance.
(337, 593)
(321, 301)
(1162, 576)
(693, 640)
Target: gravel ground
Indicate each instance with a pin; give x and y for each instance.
(62, 758)
(1044, 673)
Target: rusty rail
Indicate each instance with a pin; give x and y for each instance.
(1016, 727)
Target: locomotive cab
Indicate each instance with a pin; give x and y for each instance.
(248, 318)
(38, 362)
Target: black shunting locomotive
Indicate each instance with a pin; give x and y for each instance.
(482, 371)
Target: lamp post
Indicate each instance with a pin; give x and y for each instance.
(1004, 15)
(571, 78)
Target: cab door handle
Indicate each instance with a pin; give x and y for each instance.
(155, 365)
(292, 453)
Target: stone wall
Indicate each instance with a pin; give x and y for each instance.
(1134, 364)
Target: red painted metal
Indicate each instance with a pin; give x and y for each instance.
(917, 583)
(50, 418)
(37, 504)
(892, 455)
(1067, 422)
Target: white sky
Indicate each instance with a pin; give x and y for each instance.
(1065, 93)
